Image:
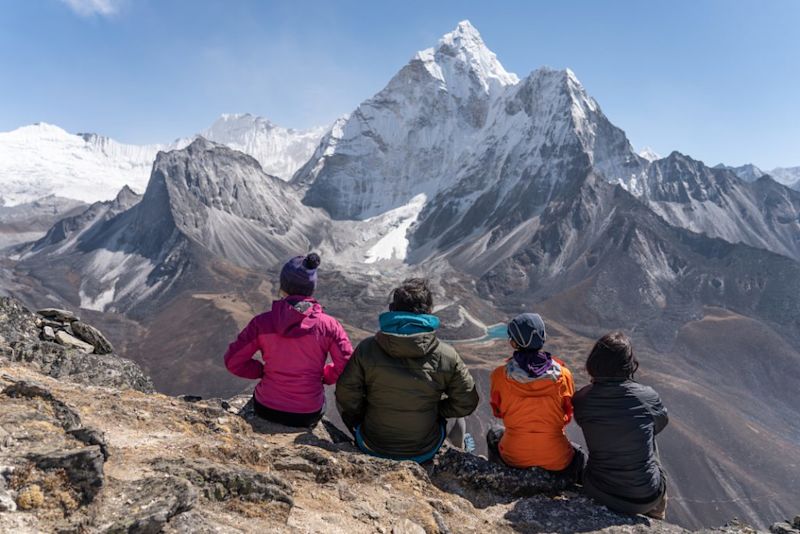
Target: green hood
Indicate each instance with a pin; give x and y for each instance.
(407, 346)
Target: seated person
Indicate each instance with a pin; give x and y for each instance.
(532, 394)
(295, 338)
(403, 383)
(620, 419)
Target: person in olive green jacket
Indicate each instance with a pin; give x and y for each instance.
(401, 384)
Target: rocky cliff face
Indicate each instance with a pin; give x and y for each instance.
(83, 454)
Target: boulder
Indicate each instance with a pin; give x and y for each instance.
(91, 436)
(67, 340)
(83, 468)
(93, 336)
(469, 474)
(782, 528)
(48, 334)
(144, 506)
(57, 314)
(58, 361)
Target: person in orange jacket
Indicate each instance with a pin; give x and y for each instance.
(532, 394)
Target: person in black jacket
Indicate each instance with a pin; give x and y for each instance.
(620, 419)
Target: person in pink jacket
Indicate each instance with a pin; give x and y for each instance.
(295, 339)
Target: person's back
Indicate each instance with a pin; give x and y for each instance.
(532, 394)
(295, 338)
(401, 383)
(619, 419)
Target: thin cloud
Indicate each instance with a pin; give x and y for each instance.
(88, 8)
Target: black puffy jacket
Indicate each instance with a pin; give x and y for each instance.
(620, 419)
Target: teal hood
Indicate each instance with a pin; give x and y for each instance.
(405, 323)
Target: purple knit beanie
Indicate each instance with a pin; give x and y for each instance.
(299, 275)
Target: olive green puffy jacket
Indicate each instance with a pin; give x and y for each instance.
(398, 387)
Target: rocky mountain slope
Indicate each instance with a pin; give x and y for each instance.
(788, 176)
(84, 454)
(30, 221)
(509, 194)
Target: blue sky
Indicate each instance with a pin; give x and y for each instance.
(715, 79)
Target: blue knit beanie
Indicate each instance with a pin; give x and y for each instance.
(527, 331)
(299, 275)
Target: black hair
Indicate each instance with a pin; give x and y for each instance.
(414, 296)
(312, 261)
(612, 357)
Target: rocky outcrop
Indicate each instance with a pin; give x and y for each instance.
(485, 481)
(786, 527)
(75, 457)
(48, 342)
(93, 336)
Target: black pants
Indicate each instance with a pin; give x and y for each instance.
(287, 418)
(574, 470)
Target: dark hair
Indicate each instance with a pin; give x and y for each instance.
(413, 296)
(612, 357)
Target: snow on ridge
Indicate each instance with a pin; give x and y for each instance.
(469, 42)
(649, 154)
(394, 244)
(464, 45)
(42, 159)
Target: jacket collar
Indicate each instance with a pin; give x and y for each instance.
(406, 323)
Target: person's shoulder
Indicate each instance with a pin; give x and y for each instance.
(367, 345)
(565, 370)
(643, 392)
(447, 354)
(499, 372)
(329, 322)
(262, 320)
(582, 393)
(446, 348)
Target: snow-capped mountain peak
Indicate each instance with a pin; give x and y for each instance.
(42, 159)
(464, 46)
(649, 154)
(280, 151)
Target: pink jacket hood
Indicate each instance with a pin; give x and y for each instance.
(296, 316)
(295, 339)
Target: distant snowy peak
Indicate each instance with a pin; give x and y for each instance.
(649, 154)
(280, 151)
(747, 172)
(789, 176)
(42, 159)
(465, 47)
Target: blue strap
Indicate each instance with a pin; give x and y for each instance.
(420, 459)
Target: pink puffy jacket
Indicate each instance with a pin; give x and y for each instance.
(294, 338)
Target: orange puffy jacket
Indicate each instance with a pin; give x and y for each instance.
(534, 413)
